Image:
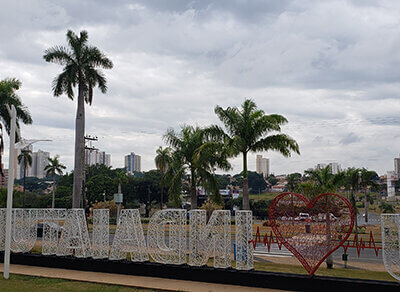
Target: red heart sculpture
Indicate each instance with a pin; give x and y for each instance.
(311, 230)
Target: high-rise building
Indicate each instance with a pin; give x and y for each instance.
(132, 163)
(262, 165)
(397, 166)
(390, 182)
(93, 157)
(39, 162)
(335, 167)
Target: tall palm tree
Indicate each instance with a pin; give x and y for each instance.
(194, 153)
(327, 182)
(368, 179)
(80, 61)
(9, 97)
(246, 131)
(162, 160)
(352, 183)
(54, 167)
(25, 158)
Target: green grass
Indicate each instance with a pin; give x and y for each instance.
(263, 196)
(323, 271)
(28, 283)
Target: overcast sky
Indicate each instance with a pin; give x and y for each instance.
(332, 68)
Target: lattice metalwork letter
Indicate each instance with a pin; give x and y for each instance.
(51, 228)
(100, 243)
(175, 251)
(211, 239)
(391, 239)
(74, 236)
(2, 228)
(129, 238)
(244, 235)
(23, 229)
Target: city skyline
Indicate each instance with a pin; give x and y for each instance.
(315, 72)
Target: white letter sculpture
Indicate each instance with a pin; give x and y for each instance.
(101, 233)
(23, 229)
(129, 238)
(51, 229)
(175, 251)
(74, 235)
(391, 239)
(244, 236)
(2, 228)
(211, 239)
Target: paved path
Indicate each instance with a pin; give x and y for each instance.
(126, 280)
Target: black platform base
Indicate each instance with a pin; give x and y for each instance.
(260, 279)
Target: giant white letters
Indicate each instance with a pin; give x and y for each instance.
(211, 239)
(390, 240)
(101, 233)
(159, 250)
(23, 229)
(129, 238)
(244, 237)
(74, 235)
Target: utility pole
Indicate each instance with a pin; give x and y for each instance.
(90, 139)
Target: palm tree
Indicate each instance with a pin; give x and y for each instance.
(247, 130)
(327, 182)
(368, 179)
(54, 167)
(8, 97)
(25, 158)
(293, 180)
(162, 160)
(352, 182)
(80, 61)
(194, 153)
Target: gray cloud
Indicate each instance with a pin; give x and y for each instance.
(330, 67)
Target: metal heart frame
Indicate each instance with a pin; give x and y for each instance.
(309, 205)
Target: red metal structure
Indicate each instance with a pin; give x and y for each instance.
(311, 230)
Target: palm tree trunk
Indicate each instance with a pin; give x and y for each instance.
(193, 195)
(161, 197)
(53, 198)
(23, 195)
(366, 205)
(79, 149)
(246, 203)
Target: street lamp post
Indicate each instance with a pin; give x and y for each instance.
(10, 184)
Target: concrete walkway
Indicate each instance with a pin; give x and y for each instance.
(126, 280)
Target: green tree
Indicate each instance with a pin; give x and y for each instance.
(162, 160)
(368, 179)
(80, 61)
(8, 97)
(54, 167)
(197, 155)
(246, 131)
(25, 158)
(352, 183)
(293, 180)
(326, 182)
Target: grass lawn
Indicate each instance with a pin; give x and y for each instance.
(264, 196)
(28, 283)
(323, 271)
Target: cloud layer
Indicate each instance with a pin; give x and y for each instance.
(330, 67)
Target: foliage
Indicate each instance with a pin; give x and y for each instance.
(387, 208)
(272, 179)
(197, 155)
(246, 130)
(260, 208)
(293, 180)
(81, 63)
(309, 189)
(109, 205)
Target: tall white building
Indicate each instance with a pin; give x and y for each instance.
(93, 157)
(390, 181)
(39, 162)
(335, 167)
(262, 165)
(397, 166)
(132, 163)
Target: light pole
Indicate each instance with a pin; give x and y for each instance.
(10, 184)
